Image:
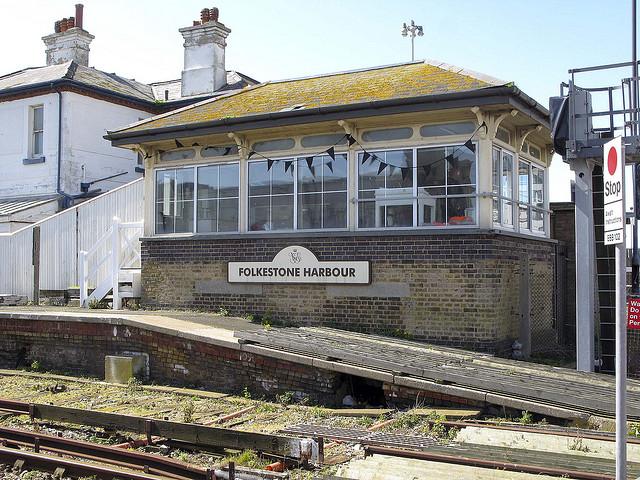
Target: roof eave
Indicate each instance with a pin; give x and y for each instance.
(66, 82)
(508, 94)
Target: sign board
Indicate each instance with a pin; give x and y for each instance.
(612, 171)
(633, 313)
(297, 264)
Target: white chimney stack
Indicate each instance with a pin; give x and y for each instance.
(69, 42)
(204, 44)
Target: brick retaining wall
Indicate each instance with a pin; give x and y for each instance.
(461, 289)
(80, 348)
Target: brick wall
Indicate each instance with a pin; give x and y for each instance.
(80, 348)
(454, 289)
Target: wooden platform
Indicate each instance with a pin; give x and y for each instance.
(480, 376)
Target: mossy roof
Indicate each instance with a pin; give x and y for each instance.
(406, 80)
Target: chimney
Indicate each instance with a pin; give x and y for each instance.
(69, 41)
(204, 44)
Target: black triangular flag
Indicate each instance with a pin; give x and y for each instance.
(148, 155)
(381, 167)
(227, 151)
(178, 144)
(195, 145)
(269, 164)
(251, 154)
(486, 128)
(405, 172)
(309, 162)
(469, 144)
(330, 165)
(365, 156)
(331, 152)
(350, 139)
(287, 165)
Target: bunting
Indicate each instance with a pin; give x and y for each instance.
(178, 144)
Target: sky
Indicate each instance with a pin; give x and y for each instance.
(532, 43)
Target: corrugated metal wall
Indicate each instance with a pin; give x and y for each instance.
(61, 237)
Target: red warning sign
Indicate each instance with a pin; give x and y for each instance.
(633, 313)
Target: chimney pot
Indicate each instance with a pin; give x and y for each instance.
(214, 14)
(71, 22)
(204, 15)
(63, 25)
(196, 23)
(79, 11)
(56, 26)
(68, 43)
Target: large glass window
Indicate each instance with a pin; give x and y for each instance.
(423, 187)
(218, 198)
(322, 192)
(271, 196)
(524, 192)
(174, 200)
(446, 186)
(503, 191)
(386, 199)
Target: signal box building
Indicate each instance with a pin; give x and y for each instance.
(409, 199)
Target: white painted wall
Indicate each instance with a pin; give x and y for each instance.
(86, 120)
(18, 179)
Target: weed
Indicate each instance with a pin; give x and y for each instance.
(223, 312)
(246, 393)
(188, 409)
(634, 430)
(247, 458)
(405, 421)
(526, 418)
(285, 398)
(576, 444)
(134, 386)
(249, 317)
(96, 304)
(400, 333)
(266, 407)
(266, 324)
(319, 412)
(36, 366)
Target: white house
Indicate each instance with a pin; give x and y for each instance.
(53, 118)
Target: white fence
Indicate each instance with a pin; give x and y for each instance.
(62, 236)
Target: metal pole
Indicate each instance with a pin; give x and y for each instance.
(412, 48)
(635, 262)
(621, 349)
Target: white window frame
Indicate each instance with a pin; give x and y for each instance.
(32, 131)
(195, 197)
(531, 162)
(515, 190)
(414, 195)
(295, 159)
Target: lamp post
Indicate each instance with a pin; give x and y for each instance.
(412, 30)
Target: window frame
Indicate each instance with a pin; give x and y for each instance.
(414, 187)
(515, 190)
(195, 197)
(32, 131)
(295, 159)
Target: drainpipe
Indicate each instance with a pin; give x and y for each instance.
(66, 201)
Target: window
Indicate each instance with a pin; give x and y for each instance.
(461, 128)
(217, 198)
(313, 141)
(271, 196)
(422, 187)
(298, 193)
(503, 187)
(271, 145)
(503, 134)
(386, 198)
(446, 186)
(322, 192)
(174, 200)
(531, 197)
(173, 155)
(387, 134)
(222, 151)
(37, 132)
(524, 194)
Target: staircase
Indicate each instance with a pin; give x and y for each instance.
(110, 269)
